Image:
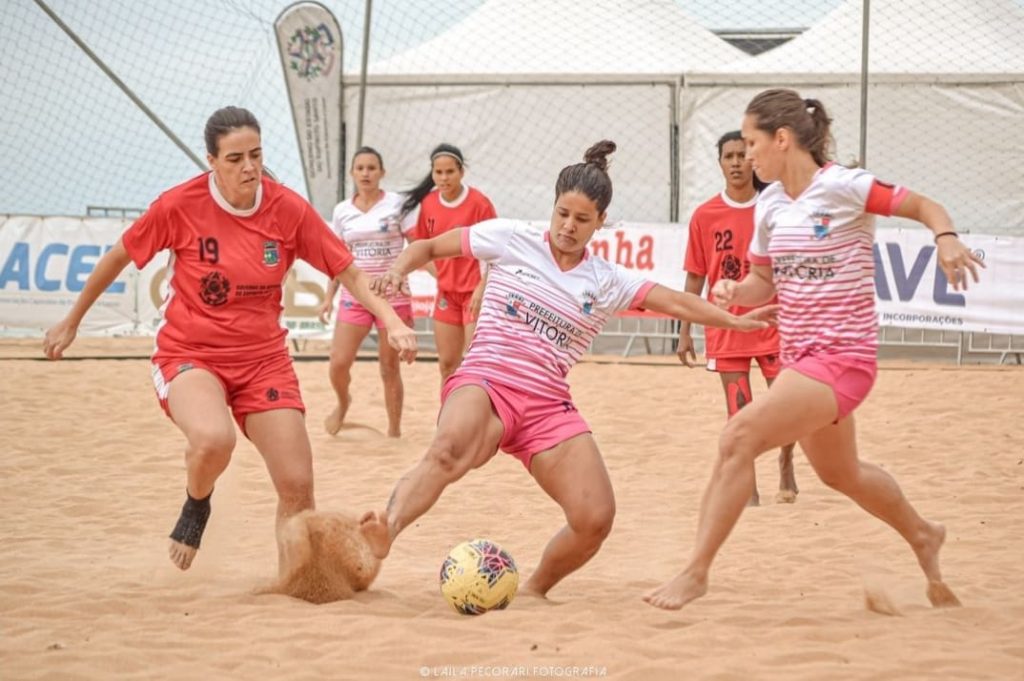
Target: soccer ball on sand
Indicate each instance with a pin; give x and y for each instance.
(478, 576)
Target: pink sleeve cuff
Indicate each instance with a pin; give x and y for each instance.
(641, 295)
(466, 248)
(757, 259)
(884, 198)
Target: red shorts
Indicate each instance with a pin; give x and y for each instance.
(532, 424)
(850, 378)
(249, 387)
(770, 365)
(452, 307)
(351, 312)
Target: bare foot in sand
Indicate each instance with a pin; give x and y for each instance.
(181, 555)
(188, 531)
(374, 527)
(785, 496)
(677, 592)
(927, 550)
(754, 500)
(336, 419)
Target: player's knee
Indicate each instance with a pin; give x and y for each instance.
(738, 442)
(294, 489)
(389, 369)
(339, 367)
(595, 522)
(447, 457)
(211, 445)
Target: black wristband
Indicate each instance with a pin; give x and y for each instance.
(945, 234)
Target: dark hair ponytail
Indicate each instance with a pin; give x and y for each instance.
(223, 121)
(589, 178)
(807, 118)
(416, 195)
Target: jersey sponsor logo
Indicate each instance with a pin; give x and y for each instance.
(271, 256)
(550, 325)
(820, 268)
(526, 274)
(821, 218)
(214, 289)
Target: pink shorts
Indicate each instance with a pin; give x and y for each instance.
(770, 365)
(351, 312)
(532, 424)
(452, 307)
(250, 387)
(850, 378)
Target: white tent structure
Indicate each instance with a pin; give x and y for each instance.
(525, 86)
(945, 102)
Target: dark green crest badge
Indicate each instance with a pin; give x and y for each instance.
(270, 254)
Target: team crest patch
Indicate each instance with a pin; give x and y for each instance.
(513, 302)
(821, 218)
(442, 304)
(588, 302)
(271, 256)
(383, 224)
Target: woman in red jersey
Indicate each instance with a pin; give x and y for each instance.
(814, 232)
(220, 351)
(459, 284)
(720, 232)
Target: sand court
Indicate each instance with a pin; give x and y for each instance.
(92, 476)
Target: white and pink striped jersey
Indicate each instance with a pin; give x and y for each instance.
(819, 246)
(536, 321)
(375, 237)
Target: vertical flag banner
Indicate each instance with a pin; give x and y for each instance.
(310, 44)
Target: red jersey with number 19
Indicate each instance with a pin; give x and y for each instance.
(720, 234)
(227, 266)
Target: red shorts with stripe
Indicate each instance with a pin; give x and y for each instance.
(249, 387)
(770, 365)
(452, 307)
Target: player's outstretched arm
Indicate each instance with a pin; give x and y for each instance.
(416, 255)
(756, 289)
(400, 336)
(955, 259)
(689, 307)
(62, 334)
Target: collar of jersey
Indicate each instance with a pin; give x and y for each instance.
(219, 199)
(736, 204)
(458, 200)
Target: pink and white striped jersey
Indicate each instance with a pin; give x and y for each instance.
(536, 321)
(375, 237)
(819, 246)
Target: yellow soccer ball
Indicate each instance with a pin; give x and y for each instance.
(478, 576)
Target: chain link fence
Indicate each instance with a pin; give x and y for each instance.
(105, 103)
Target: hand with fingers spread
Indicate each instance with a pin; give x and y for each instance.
(391, 283)
(759, 318)
(956, 260)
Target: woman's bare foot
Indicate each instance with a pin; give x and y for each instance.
(188, 531)
(785, 496)
(374, 528)
(677, 592)
(336, 419)
(927, 548)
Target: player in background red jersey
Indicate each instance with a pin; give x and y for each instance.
(720, 232)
